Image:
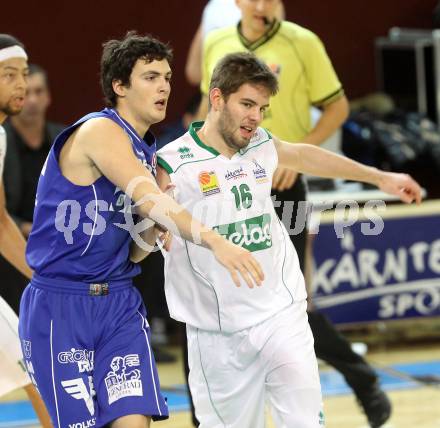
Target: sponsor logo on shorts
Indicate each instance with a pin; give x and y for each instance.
(26, 363)
(83, 357)
(31, 372)
(253, 234)
(87, 424)
(27, 351)
(124, 380)
(208, 183)
(235, 174)
(259, 173)
(78, 390)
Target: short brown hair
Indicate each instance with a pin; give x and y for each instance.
(239, 68)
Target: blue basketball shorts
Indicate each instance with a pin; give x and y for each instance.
(87, 350)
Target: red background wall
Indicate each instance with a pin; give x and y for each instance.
(66, 37)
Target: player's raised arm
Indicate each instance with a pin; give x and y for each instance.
(312, 160)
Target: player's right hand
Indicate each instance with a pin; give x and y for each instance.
(237, 261)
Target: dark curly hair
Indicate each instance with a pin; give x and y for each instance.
(120, 56)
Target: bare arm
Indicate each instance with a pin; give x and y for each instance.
(313, 160)
(333, 116)
(148, 237)
(203, 108)
(106, 145)
(12, 243)
(193, 66)
(152, 233)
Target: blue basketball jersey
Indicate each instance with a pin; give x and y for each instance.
(82, 233)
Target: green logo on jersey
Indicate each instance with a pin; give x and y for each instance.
(253, 234)
(185, 152)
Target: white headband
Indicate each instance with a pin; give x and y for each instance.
(12, 52)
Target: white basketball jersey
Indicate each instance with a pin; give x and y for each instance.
(231, 196)
(12, 372)
(2, 151)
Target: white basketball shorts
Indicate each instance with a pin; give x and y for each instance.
(233, 376)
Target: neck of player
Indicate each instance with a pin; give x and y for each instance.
(3, 117)
(210, 136)
(137, 122)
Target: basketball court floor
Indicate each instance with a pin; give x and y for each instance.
(410, 375)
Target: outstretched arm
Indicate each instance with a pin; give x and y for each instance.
(333, 116)
(12, 243)
(106, 145)
(313, 160)
(193, 66)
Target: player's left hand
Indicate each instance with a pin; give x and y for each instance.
(283, 179)
(400, 185)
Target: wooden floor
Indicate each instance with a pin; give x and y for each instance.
(412, 408)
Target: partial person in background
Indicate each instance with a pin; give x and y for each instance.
(436, 16)
(306, 78)
(30, 136)
(216, 14)
(13, 83)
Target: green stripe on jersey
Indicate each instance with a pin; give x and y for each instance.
(193, 128)
(164, 165)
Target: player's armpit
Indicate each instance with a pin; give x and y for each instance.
(288, 154)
